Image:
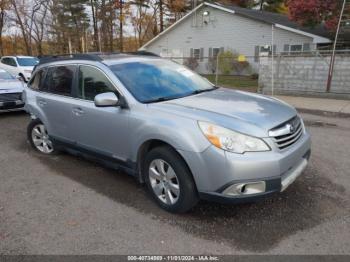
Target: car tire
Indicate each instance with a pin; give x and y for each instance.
(39, 139)
(169, 180)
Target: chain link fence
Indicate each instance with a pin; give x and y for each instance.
(305, 73)
(233, 71)
(283, 73)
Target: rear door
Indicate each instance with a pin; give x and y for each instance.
(56, 101)
(103, 130)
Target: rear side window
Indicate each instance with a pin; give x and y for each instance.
(5, 61)
(59, 80)
(37, 81)
(92, 82)
(10, 62)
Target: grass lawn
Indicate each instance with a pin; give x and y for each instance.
(245, 83)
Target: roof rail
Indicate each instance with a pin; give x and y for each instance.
(63, 57)
(94, 56)
(142, 52)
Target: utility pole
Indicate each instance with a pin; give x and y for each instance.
(70, 46)
(331, 66)
(272, 60)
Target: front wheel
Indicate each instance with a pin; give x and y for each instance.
(39, 138)
(169, 180)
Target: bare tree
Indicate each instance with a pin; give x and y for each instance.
(40, 26)
(94, 23)
(4, 4)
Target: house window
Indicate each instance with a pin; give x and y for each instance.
(216, 51)
(296, 48)
(287, 49)
(306, 47)
(265, 50)
(196, 53)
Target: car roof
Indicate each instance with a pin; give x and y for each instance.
(105, 58)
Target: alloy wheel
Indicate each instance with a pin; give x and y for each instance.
(41, 139)
(164, 181)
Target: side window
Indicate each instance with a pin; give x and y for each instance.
(37, 80)
(92, 82)
(5, 61)
(12, 62)
(59, 80)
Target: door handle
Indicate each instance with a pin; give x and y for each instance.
(78, 111)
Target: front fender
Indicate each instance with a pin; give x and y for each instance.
(179, 132)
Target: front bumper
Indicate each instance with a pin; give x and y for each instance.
(214, 170)
(273, 185)
(11, 101)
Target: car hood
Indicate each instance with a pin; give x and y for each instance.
(11, 86)
(245, 112)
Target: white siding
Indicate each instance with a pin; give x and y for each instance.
(231, 31)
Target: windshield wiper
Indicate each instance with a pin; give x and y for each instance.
(166, 98)
(161, 99)
(203, 90)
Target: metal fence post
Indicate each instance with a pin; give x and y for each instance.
(331, 66)
(217, 69)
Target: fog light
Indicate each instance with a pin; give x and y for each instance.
(245, 188)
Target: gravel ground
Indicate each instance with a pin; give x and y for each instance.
(67, 205)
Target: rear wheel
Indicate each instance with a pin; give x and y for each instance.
(169, 180)
(39, 138)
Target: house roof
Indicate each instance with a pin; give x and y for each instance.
(275, 18)
(319, 33)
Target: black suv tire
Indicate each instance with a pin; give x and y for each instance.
(188, 195)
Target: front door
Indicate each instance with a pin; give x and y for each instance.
(102, 130)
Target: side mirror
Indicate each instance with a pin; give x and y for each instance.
(106, 100)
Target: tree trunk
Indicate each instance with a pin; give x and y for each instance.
(26, 38)
(94, 21)
(2, 18)
(161, 14)
(121, 25)
(261, 5)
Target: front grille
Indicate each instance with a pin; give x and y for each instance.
(288, 133)
(10, 97)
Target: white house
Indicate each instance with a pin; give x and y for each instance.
(209, 28)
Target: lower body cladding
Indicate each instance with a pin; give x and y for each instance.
(232, 178)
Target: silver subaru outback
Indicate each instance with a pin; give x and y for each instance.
(167, 126)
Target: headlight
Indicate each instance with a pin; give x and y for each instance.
(232, 141)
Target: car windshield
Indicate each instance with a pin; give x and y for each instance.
(28, 61)
(5, 76)
(157, 80)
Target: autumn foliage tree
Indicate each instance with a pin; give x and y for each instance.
(315, 12)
